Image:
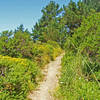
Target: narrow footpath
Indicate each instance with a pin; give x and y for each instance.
(46, 88)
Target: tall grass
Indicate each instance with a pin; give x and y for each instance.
(80, 79)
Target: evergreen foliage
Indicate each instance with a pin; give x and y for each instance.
(95, 4)
(80, 78)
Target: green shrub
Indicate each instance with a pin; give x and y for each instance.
(80, 79)
(20, 75)
(46, 52)
(17, 77)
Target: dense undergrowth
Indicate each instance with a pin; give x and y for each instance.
(46, 52)
(80, 79)
(23, 54)
(18, 76)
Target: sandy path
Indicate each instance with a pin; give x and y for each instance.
(49, 83)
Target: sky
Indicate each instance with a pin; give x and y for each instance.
(26, 12)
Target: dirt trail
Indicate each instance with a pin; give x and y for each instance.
(49, 83)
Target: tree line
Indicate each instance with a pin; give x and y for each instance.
(56, 24)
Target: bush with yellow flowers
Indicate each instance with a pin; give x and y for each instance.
(17, 77)
(46, 52)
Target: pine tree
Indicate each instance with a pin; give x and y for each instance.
(48, 26)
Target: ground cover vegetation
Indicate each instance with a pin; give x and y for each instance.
(75, 27)
(80, 78)
(21, 61)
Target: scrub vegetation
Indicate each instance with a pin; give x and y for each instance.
(73, 28)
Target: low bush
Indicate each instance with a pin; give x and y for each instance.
(46, 52)
(17, 77)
